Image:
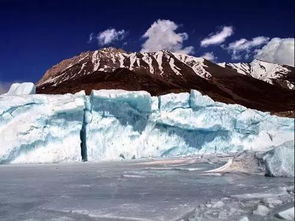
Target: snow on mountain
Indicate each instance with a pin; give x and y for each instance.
(197, 64)
(265, 71)
(110, 59)
(118, 124)
(161, 62)
(164, 72)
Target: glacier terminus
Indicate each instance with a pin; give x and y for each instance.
(118, 124)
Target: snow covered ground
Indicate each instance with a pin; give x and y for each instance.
(151, 190)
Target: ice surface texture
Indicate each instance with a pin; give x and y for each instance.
(21, 89)
(134, 125)
(280, 160)
(117, 124)
(40, 128)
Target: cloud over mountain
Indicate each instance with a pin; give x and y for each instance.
(209, 56)
(278, 50)
(244, 48)
(218, 37)
(162, 35)
(110, 35)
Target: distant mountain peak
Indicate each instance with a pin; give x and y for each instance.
(112, 50)
(275, 74)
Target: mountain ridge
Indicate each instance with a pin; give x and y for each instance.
(163, 72)
(281, 75)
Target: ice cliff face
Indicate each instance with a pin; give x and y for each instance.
(117, 124)
(175, 124)
(40, 128)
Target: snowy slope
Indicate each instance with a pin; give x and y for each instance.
(161, 63)
(110, 59)
(117, 124)
(265, 71)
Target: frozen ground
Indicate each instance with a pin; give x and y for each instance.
(164, 189)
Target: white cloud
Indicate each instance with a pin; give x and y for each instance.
(243, 47)
(218, 37)
(209, 56)
(91, 37)
(161, 35)
(110, 35)
(244, 44)
(278, 50)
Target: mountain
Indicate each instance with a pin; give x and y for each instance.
(281, 75)
(163, 72)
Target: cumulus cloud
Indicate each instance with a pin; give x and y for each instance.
(278, 50)
(244, 47)
(218, 37)
(209, 56)
(108, 36)
(162, 35)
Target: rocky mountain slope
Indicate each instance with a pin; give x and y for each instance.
(281, 75)
(259, 85)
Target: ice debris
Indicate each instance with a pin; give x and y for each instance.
(287, 214)
(280, 160)
(261, 210)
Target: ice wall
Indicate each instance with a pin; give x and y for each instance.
(117, 124)
(40, 128)
(133, 125)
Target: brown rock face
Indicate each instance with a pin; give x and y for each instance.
(164, 72)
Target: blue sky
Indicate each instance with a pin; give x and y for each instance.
(38, 34)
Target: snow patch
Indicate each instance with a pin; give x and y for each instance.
(174, 68)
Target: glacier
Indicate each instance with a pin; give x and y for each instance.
(118, 124)
(24, 88)
(40, 128)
